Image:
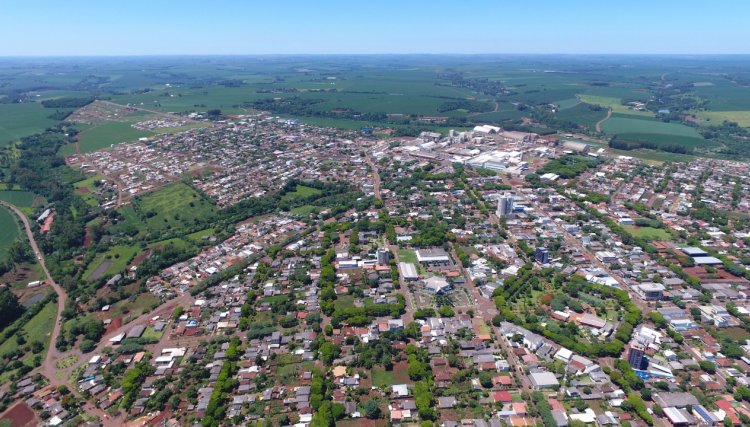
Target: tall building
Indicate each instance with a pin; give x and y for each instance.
(541, 254)
(383, 256)
(505, 205)
(637, 356)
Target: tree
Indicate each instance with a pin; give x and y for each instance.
(10, 308)
(372, 409)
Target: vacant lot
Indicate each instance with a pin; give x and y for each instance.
(108, 134)
(111, 262)
(381, 377)
(19, 415)
(648, 233)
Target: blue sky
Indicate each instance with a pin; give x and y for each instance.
(155, 27)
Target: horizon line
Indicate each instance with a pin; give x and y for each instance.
(157, 55)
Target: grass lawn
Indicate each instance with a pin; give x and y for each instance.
(9, 231)
(304, 210)
(345, 301)
(648, 233)
(150, 333)
(381, 377)
(302, 191)
(199, 235)
(407, 255)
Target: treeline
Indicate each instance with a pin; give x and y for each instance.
(629, 145)
(67, 102)
(41, 170)
(470, 106)
(569, 166)
(484, 86)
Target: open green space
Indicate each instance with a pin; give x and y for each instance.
(648, 233)
(111, 262)
(108, 134)
(9, 231)
(37, 328)
(301, 191)
(381, 377)
(173, 210)
(304, 210)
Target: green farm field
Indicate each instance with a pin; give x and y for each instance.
(742, 118)
(22, 199)
(24, 119)
(615, 104)
(9, 231)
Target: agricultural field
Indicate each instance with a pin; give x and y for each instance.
(742, 118)
(21, 199)
(631, 128)
(9, 231)
(23, 119)
(583, 114)
(614, 104)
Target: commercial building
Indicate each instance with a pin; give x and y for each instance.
(637, 356)
(650, 291)
(383, 256)
(437, 285)
(432, 256)
(543, 380)
(505, 206)
(542, 255)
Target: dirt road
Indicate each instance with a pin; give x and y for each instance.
(48, 367)
(599, 123)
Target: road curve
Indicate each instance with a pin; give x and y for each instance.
(48, 366)
(49, 369)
